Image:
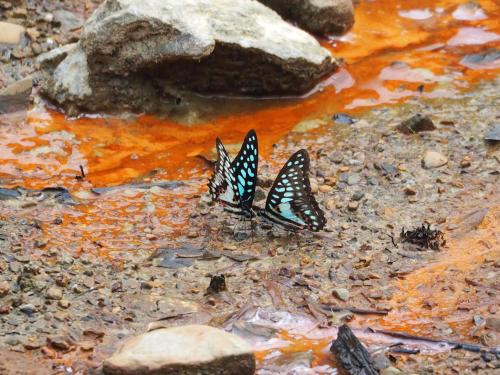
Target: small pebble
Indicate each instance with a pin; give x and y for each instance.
(358, 196)
(410, 191)
(433, 159)
(466, 162)
(4, 288)
(352, 206)
(325, 188)
(341, 293)
(390, 371)
(54, 293)
(28, 309)
(64, 303)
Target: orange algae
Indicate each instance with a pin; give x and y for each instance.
(319, 349)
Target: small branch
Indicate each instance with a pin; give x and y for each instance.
(392, 240)
(355, 310)
(455, 344)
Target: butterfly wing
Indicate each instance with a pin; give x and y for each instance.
(290, 202)
(222, 184)
(244, 169)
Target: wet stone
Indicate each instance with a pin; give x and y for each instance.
(353, 206)
(388, 169)
(61, 343)
(54, 293)
(317, 17)
(358, 196)
(28, 309)
(433, 159)
(493, 133)
(337, 157)
(352, 356)
(341, 293)
(416, 124)
(4, 288)
(343, 118)
(482, 58)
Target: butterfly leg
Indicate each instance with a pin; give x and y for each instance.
(296, 240)
(251, 230)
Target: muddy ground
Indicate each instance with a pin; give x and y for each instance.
(60, 309)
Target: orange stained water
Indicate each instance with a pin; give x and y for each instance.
(394, 48)
(440, 293)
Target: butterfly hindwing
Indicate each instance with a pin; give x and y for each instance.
(244, 169)
(290, 202)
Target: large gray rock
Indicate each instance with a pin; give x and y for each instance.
(186, 350)
(143, 55)
(316, 16)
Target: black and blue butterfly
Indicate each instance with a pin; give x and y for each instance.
(290, 203)
(233, 183)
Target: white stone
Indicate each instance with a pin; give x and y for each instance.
(187, 350)
(433, 159)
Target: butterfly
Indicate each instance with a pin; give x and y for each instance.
(233, 183)
(290, 203)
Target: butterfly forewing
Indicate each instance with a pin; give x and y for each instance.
(290, 202)
(221, 184)
(233, 183)
(245, 170)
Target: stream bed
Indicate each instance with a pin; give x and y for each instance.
(130, 238)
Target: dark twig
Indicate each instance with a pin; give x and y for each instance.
(392, 240)
(81, 177)
(455, 344)
(355, 310)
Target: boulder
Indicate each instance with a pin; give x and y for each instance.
(187, 350)
(144, 55)
(316, 16)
